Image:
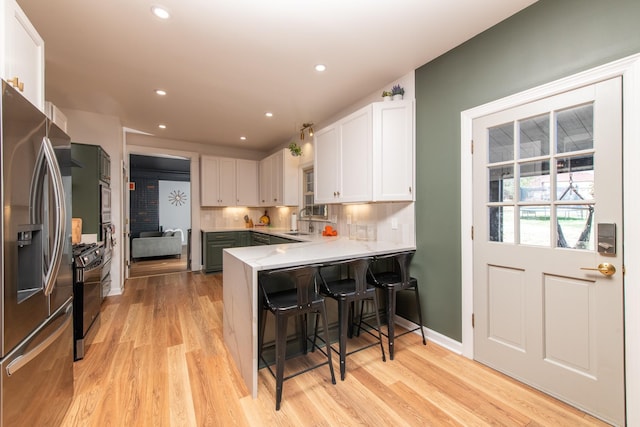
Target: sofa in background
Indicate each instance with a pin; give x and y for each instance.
(156, 243)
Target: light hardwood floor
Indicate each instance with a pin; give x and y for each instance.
(159, 360)
(159, 265)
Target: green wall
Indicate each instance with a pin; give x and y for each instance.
(547, 41)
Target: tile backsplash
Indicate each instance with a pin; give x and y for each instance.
(384, 221)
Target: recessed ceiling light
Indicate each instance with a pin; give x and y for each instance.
(161, 92)
(160, 12)
(243, 138)
(321, 67)
(268, 114)
(161, 126)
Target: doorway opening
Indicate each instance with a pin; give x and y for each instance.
(160, 214)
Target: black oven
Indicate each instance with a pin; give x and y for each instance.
(87, 295)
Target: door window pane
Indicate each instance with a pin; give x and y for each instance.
(574, 128)
(501, 143)
(574, 179)
(534, 137)
(501, 222)
(575, 226)
(501, 184)
(535, 225)
(534, 182)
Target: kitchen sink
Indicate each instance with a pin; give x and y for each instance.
(296, 233)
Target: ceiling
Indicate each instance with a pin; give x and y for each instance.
(225, 63)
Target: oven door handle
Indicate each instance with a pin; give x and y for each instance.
(22, 360)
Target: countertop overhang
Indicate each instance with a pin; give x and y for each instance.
(310, 250)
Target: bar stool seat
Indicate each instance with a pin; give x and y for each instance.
(393, 281)
(347, 291)
(286, 293)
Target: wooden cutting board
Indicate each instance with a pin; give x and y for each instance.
(76, 230)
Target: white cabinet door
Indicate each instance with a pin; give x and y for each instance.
(265, 181)
(217, 181)
(227, 182)
(209, 185)
(342, 159)
(326, 167)
(290, 178)
(276, 178)
(246, 183)
(22, 53)
(355, 152)
(279, 180)
(393, 151)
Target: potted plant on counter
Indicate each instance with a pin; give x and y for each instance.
(386, 95)
(398, 92)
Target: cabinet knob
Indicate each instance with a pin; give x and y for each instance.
(15, 82)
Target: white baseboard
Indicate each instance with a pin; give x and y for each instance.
(436, 337)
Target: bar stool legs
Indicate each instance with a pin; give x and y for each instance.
(291, 293)
(347, 292)
(394, 281)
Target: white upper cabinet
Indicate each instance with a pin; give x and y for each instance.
(343, 166)
(367, 156)
(246, 183)
(22, 53)
(327, 169)
(279, 179)
(217, 181)
(393, 151)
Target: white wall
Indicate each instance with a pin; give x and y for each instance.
(106, 131)
(174, 215)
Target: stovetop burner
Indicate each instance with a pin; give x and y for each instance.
(86, 254)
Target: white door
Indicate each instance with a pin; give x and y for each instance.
(547, 185)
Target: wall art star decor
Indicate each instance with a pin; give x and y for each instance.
(177, 198)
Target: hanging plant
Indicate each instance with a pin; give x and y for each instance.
(295, 149)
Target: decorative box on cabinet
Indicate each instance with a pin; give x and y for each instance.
(21, 53)
(217, 181)
(279, 180)
(367, 156)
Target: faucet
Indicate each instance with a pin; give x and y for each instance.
(306, 210)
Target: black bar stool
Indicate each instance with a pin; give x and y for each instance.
(394, 280)
(347, 291)
(286, 293)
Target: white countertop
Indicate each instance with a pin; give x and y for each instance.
(315, 249)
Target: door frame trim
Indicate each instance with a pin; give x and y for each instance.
(629, 69)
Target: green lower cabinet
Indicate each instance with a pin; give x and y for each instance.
(243, 238)
(214, 244)
(275, 240)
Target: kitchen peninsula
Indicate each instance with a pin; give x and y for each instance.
(240, 291)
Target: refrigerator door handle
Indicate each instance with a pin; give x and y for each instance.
(47, 158)
(22, 360)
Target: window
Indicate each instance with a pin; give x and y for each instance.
(309, 208)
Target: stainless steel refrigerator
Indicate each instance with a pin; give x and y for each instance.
(37, 284)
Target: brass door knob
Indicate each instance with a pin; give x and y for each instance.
(605, 268)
